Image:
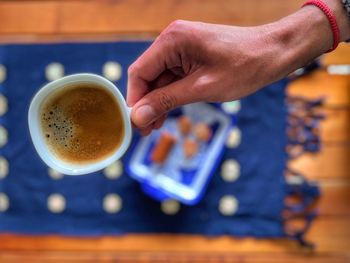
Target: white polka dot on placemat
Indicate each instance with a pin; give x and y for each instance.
(4, 167)
(3, 105)
(2, 73)
(234, 138)
(114, 171)
(112, 70)
(170, 207)
(112, 203)
(295, 180)
(3, 136)
(4, 202)
(54, 174)
(231, 107)
(230, 170)
(54, 71)
(56, 203)
(228, 205)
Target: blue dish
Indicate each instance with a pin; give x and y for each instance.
(178, 177)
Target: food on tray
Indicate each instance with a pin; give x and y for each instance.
(190, 148)
(162, 148)
(202, 132)
(184, 125)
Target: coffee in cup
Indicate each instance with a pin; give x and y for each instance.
(79, 124)
(82, 123)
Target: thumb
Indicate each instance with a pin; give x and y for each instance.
(161, 100)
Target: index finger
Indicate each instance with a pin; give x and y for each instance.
(144, 70)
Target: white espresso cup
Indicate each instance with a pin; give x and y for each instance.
(38, 136)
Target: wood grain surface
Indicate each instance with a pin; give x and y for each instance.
(62, 21)
(132, 16)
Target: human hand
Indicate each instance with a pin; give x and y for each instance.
(192, 61)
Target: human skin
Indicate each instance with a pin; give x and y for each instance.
(194, 61)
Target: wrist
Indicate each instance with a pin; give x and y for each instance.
(299, 38)
(343, 19)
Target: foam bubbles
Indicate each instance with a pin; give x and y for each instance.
(58, 129)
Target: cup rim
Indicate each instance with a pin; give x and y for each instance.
(38, 139)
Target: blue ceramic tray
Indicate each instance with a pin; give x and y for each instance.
(178, 177)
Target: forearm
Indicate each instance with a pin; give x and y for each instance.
(305, 35)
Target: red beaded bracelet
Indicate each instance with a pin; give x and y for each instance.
(331, 18)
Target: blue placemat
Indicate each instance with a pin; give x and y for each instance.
(25, 190)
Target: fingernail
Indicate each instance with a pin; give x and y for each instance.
(145, 115)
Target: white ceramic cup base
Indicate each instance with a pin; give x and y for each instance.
(38, 138)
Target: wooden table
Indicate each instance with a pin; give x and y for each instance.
(42, 21)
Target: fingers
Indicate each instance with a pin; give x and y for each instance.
(137, 88)
(146, 131)
(148, 67)
(154, 87)
(159, 101)
(159, 122)
(163, 79)
(155, 125)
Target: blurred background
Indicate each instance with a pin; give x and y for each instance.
(105, 21)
